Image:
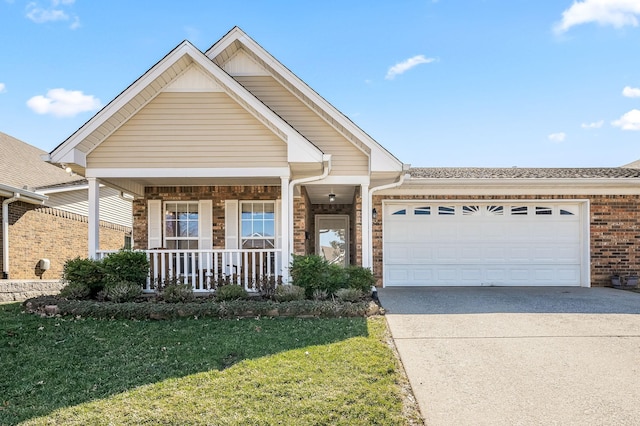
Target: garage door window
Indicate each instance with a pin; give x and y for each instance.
(426, 211)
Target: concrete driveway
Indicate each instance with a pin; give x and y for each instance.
(519, 356)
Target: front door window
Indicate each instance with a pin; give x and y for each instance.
(332, 238)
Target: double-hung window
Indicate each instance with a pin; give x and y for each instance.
(257, 224)
(181, 225)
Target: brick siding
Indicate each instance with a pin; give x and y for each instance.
(218, 194)
(37, 232)
(614, 229)
(303, 213)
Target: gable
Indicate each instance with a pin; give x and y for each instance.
(183, 70)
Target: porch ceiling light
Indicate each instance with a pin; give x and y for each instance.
(332, 197)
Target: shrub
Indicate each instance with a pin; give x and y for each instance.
(126, 266)
(123, 291)
(320, 294)
(360, 278)
(336, 278)
(230, 292)
(349, 294)
(88, 272)
(308, 272)
(75, 291)
(287, 293)
(176, 292)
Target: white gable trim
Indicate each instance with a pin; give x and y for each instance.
(188, 172)
(304, 152)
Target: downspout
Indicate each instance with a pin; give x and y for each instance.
(370, 242)
(5, 234)
(326, 158)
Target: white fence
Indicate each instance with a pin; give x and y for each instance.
(204, 270)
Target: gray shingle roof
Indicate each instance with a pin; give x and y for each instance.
(21, 166)
(522, 173)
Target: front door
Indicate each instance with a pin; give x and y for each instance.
(332, 238)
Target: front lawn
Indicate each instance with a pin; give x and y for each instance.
(75, 370)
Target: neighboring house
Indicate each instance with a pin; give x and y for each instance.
(45, 214)
(236, 164)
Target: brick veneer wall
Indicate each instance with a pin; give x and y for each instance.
(218, 194)
(303, 213)
(614, 228)
(41, 232)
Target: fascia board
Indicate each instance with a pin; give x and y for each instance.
(26, 196)
(239, 172)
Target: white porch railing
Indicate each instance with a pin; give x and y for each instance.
(204, 270)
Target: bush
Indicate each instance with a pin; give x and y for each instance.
(230, 292)
(88, 272)
(320, 294)
(308, 272)
(176, 292)
(360, 278)
(126, 266)
(123, 291)
(287, 293)
(75, 291)
(336, 278)
(349, 294)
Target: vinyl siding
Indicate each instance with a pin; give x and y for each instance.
(191, 129)
(113, 209)
(347, 160)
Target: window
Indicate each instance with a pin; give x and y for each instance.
(127, 242)
(519, 210)
(400, 212)
(181, 225)
(422, 211)
(543, 210)
(257, 225)
(495, 210)
(470, 210)
(446, 210)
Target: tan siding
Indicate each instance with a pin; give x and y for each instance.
(191, 130)
(346, 158)
(113, 209)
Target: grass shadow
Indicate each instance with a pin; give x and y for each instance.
(51, 363)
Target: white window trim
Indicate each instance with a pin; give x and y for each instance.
(164, 223)
(274, 238)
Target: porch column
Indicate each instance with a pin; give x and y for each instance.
(94, 217)
(285, 227)
(366, 225)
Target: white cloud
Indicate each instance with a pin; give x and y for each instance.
(51, 13)
(63, 103)
(631, 92)
(629, 121)
(557, 137)
(41, 15)
(617, 13)
(404, 66)
(3, 87)
(594, 125)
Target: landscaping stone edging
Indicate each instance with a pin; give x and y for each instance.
(21, 290)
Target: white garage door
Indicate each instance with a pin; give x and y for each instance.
(537, 243)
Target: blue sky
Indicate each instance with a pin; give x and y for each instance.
(487, 83)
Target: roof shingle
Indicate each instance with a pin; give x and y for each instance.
(523, 173)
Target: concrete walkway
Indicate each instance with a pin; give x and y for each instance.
(519, 356)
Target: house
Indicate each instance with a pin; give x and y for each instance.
(45, 214)
(236, 164)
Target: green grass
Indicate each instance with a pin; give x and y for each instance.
(197, 371)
